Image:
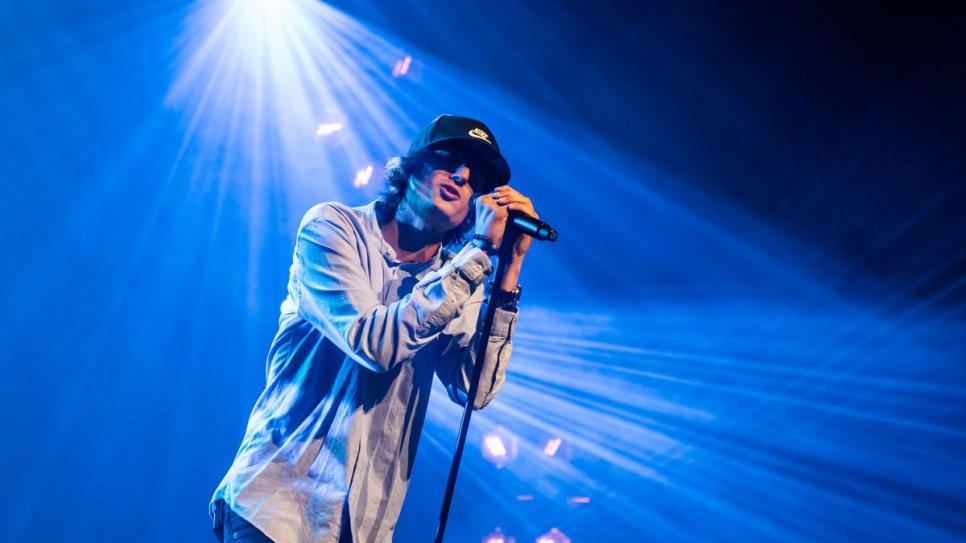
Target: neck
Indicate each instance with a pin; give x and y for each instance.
(413, 239)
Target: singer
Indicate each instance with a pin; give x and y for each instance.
(380, 298)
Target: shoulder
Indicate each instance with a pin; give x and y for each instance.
(340, 216)
(331, 222)
(335, 212)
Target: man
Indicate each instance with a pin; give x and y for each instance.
(376, 306)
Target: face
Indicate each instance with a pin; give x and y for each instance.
(442, 195)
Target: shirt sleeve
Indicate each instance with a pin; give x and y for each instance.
(332, 291)
(458, 356)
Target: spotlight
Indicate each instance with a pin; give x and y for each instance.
(498, 537)
(402, 67)
(254, 76)
(553, 444)
(553, 536)
(500, 446)
(327, 129)
(494, 446)
(556, 447)
(362, 177)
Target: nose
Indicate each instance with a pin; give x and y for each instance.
(461, 176)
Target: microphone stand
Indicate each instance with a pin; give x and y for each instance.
(503, 262)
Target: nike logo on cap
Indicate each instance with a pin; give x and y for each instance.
(479, 134)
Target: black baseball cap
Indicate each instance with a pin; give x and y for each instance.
(453, 131)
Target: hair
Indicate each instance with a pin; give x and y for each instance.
(399, 169)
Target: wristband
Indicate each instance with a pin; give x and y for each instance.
(484, 243)
(506, 300)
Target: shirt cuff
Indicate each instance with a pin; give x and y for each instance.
(503, 322)
(473, 265)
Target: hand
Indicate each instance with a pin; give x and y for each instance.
(491, 218)
(492, 211)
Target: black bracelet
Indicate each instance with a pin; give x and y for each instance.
(506, 300)
(487, 244)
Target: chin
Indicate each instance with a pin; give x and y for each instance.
(452, 210)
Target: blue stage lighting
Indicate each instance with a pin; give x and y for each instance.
(710, 375)
(498, 537)
(266, 83)
(553, 536)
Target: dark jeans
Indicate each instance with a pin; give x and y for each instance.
(230, 527)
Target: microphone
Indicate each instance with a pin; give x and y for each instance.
(526, 224)
(532, 226)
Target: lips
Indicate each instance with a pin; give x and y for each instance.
(449, 193)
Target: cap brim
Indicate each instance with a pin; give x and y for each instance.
(498, 168)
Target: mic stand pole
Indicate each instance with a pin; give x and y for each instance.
(503, 261)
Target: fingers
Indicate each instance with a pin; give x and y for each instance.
(512, 200)
(506, 194)
(506, 199)
(489, 201)
(485, 199)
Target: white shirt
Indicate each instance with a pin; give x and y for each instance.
(349, 376)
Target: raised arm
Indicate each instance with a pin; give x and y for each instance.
(332, 291)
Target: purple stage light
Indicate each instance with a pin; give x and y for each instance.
(500, 446)
(362, 177)
(402, 67)
(552, 446)
(498, 537)
(553, 536)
